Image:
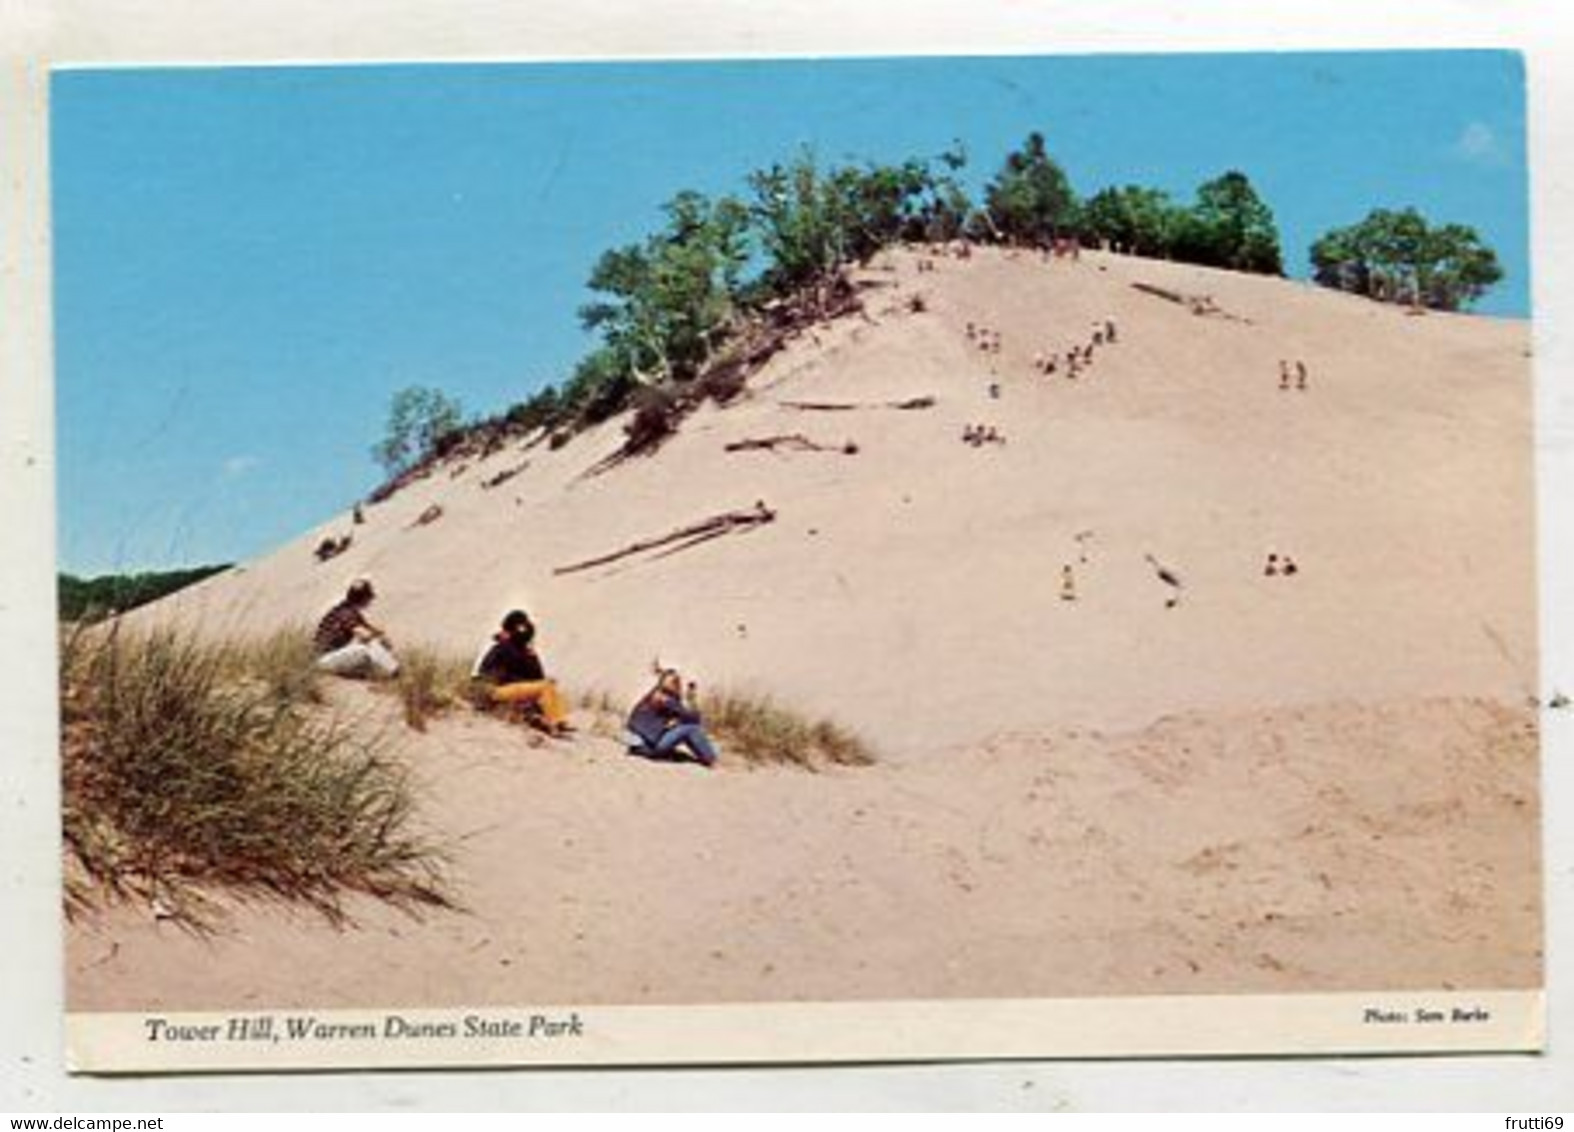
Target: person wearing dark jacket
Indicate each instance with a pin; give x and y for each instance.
(513, 670)
(347, 644)
(666, 725)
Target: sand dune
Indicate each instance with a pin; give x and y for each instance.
(1311, 782)
(1400, 482)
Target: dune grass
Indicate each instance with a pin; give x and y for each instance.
(432, 683)
(283, 664)
(752, 730)
(190, 766)
(758, 731)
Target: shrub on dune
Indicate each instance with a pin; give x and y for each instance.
(430, 684)
(758, 731)
(190, 765)
(752, 730)
(284, 663)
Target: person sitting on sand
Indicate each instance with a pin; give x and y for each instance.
(513, 670)
(348, 644)
(666, 725)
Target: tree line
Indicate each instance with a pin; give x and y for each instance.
(1399, 257)
(666, 309)
(91, 599)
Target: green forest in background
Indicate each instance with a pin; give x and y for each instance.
(90, 599)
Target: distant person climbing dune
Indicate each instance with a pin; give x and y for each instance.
(1169, 577)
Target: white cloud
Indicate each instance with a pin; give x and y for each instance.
(1478, 143)
(238, 466)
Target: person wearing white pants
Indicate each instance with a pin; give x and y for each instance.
(360, 659)
(350, 645)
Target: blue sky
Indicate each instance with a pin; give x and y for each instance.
(249, 262)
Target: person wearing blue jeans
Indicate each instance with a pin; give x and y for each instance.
(667, 726)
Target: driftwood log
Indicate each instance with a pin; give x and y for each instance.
(684, 537)
(1162, 293)
(504, 476)
(1198, 304)
(846, 406)
(795, 442)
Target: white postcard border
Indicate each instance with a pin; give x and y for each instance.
(241, 32)
(911, 1030)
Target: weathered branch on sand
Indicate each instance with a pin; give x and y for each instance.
(1197, 304)
(684, 537)
(796, 442)
(430, 515)
(844, 406)
(504, 476)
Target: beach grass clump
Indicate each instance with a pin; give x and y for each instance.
(186, 770)
(598, 702)
(284, 663)
(758, 731)
(430, 684)
(598, 712)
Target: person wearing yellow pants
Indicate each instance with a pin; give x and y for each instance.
(514, 672)
(543, 694)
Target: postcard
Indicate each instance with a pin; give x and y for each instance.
(796, 560)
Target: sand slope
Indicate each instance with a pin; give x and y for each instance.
(1318, 782)
(912, 590)
(1338, 848)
